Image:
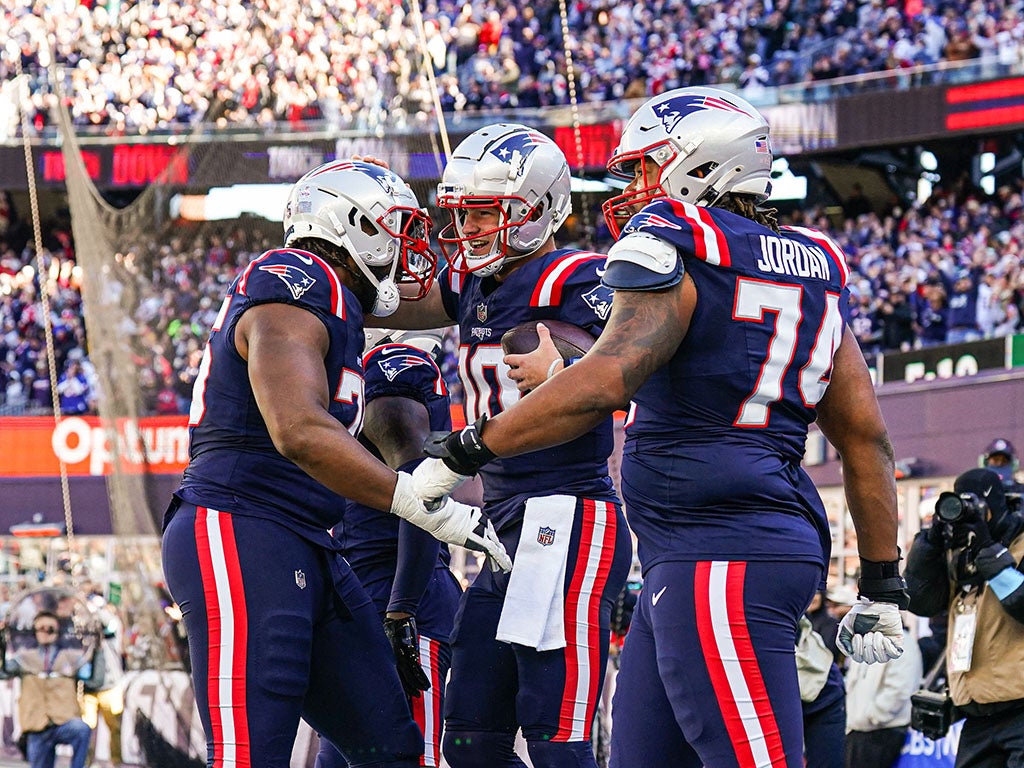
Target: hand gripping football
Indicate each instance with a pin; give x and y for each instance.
(570, 340)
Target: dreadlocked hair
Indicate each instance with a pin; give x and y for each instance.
(745, 206)
(326, 250)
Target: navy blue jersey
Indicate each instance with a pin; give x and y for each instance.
(369, 537)
(561, 285)
(233, 464)
(714, 439)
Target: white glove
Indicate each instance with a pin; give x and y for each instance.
(432, 481)
(450, 522)
(871, 632)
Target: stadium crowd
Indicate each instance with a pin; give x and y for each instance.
(141, 66)
(948, 270)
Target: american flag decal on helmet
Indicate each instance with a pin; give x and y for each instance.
(762, 146)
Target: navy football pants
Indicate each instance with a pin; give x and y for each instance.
(708, 673)
(497, 688)
(278, 628)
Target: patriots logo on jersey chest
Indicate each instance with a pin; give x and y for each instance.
(546, 536)
(599, 299)
(297, 280)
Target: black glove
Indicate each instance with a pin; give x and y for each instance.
(972, 534)
(463, 451)
(405, 643)
(993, 558)
(936, 534)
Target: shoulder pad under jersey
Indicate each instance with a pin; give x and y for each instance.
(642, 262)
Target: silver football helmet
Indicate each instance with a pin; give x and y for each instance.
(374, 215)
(430, 341)
(515, 169)
(704, 142)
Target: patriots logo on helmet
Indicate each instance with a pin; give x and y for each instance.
(522, 142)
(296, 279)
(395, 364)
(670, 112)
(642, 219)
(382, 176)
(599, 299)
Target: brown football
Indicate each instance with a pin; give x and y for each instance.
(570, 340)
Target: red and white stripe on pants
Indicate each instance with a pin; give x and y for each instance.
(227, 637)
(426, 708)
(582, 621)
(732, 665)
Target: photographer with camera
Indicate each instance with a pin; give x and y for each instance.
(969, 561)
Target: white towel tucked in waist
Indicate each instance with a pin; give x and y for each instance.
(533, 613)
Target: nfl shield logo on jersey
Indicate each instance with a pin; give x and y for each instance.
(545, 536)
(300, 579)
(481, 313)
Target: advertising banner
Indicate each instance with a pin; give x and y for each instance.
(946, 361)
(34, 446)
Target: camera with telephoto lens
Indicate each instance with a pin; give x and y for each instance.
(958, 507)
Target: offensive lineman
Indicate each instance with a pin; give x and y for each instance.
(729, 335)
(278, 624)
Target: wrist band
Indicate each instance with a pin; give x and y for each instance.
(551, 368)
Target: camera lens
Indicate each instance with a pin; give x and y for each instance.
(949, 507)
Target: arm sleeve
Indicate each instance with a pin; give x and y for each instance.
(926, 576)
(1008, 586)
(417, 558)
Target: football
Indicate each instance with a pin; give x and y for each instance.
(570, 340)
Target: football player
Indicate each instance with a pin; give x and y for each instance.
(529, 649)
(403, 568)
(728, 336)
(278, 625)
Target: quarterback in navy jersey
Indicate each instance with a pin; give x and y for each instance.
(727, 338)
(278, 625)
(530, 648)
(403, 568)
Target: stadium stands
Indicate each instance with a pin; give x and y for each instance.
(947, 270)
(144, 66)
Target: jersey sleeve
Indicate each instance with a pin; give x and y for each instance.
(571, 282)
(403, 371)
(292, 277)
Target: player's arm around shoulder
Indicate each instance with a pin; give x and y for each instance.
(644, 330)
(850, 417)
(285, 348)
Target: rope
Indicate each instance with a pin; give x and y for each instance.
(577, 129)
(44, 296)
(428, 68)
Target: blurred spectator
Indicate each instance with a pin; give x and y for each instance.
(152, 66)
(74, 390)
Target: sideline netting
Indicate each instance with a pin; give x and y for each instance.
(152, 281)
(154, 272)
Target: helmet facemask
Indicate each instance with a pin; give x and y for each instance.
(371, 215)
(704, 142)
(514, 214)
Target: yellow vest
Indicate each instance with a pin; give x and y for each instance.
(46, 701)
(997, 659)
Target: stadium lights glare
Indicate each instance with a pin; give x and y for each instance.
(785, 184)
(265, 200)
